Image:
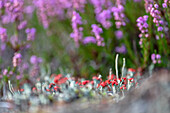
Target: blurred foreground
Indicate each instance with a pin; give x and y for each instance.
(151, 97)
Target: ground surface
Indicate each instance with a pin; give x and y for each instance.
(153, 96)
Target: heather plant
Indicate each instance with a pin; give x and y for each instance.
(129, 32)
(80, 39)
(100, 28)
(16, 39)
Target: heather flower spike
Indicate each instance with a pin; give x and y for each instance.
(121, 49)
(3, 34)
(143, 27)
(89, 39)
(30, 34)
(17, 59)
(97, 31)
(156, 58)
(77, 33)
(119, 34)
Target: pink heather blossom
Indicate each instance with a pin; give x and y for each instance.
(102, 9)
(156, 14)
(143, 27)
(89, 39)
(119, 34)
(122, 49)
(35, 60)
(57, 9)
(104, 18)
(97, 31)
(22, 25)
(17, 59)
(156, 58)
(77, 33)
(13, 11)
(119, 16)
(30, 34)
(3, 34)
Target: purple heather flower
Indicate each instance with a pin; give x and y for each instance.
(30, 34)
(25, 65)
(146, 35)
(35, 60)
(156, 14)
(77, 33)
(162, 35)
(99, 5)
(22, 25)
(76, 18)
(79, 4)
(142, 31)
(154, 61)
(14, 40)
(17, 59)
(89, 39)
(137, 0)
(5, 71)
(121, 49)
(97, 31)
(148, 4)
(3, 46)
(140, 35)
(157, 37)
(153, 56)
(3, 34)
(164, 5)
(19, 77)
(13, 11)
(104, 18)
(160, 28)
(11, 72)
(119, 16)
(161, 22)
(158, 56)
(145, 17)
(1, 4)
(5, 19)
(140, 42)
(159, 61)
(28, 45)
(57, 8)
(143, 27)
(119, 34)
(156, 6)
(29, 9)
